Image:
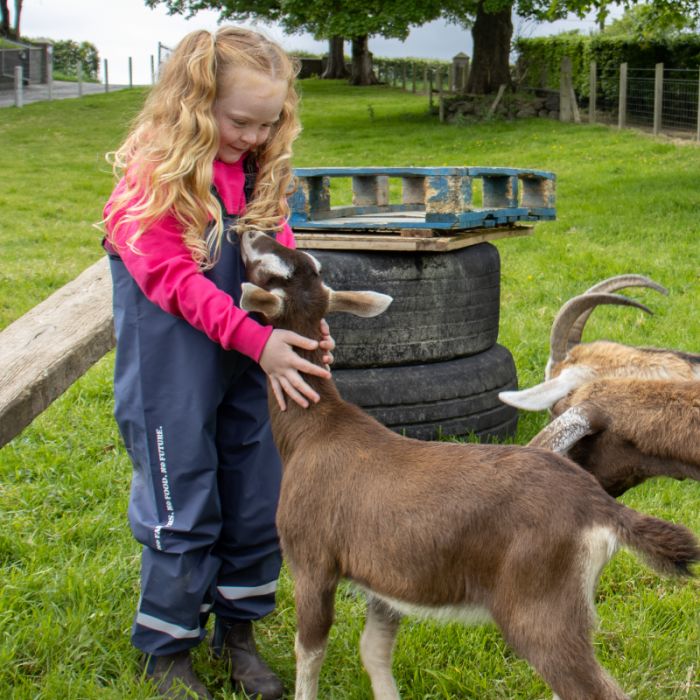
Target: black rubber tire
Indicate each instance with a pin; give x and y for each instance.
(456, 397)
(446, 305)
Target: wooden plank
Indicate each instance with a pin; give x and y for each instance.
(51, 346)
(492, 108)
(572, 98)
(444, 244)
(464, 170)
(446, 222)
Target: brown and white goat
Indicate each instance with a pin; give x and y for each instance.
(573, 364)
(465, 532)
(625, 431)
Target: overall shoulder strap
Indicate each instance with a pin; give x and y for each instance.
(219, 199)
(251, 169)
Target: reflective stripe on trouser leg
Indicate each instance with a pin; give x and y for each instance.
(249, 477)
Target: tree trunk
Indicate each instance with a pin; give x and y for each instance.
(362, 73)
(491, 34)
(5, 10)
(336, 70)
(18, 12)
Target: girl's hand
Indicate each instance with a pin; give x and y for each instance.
(327, 343)
(282, 365)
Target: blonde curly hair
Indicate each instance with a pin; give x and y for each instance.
(167, 159)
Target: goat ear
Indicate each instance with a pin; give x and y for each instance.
(565, 431)
(548, 393)
(365, 304)
(254, 298)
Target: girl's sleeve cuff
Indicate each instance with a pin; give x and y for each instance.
(249, 338)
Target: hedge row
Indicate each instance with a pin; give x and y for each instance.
(681, 51)
(66, 55)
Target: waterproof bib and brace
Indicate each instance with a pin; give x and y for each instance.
(207, 474)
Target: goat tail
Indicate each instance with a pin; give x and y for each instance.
(669, 548)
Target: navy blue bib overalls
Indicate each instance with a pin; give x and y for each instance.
(207, 474)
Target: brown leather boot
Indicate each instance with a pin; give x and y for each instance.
(174, 677)
(249, 672)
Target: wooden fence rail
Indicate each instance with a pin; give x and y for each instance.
(50, 347)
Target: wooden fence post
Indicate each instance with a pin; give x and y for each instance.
(413, 76)
(622, 105)
(131, 80)
(592, 93)
(425, 77)
(430, 88)
(572, 99)
(658, 98)
(153, 71)
(564, 98)
(106, 76)
(451, 84)
(49, 74)
(697, 135)
(441, 100)
(493, 107)
(19, 86)
(80, 78)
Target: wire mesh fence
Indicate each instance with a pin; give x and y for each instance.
(163, 53)
(28, 57)
(607, 94)
(640, 96)
(680, 98)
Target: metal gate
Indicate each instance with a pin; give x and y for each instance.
(14, 54)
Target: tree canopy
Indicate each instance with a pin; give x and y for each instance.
(355, 20)
(327, 18)
(643, 19)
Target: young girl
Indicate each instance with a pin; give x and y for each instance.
(210, 151)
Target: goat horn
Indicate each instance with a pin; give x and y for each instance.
(572, 310)
(563, 432)
(613, 284)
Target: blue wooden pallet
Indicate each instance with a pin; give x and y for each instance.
(431, 198)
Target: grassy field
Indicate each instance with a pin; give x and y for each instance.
(69, 566)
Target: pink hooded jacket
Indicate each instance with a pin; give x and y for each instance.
(166, 273)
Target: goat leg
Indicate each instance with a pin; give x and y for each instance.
(315, 604)
(377, 647)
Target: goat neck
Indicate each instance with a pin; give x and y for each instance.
(286, 286)
(625, 431)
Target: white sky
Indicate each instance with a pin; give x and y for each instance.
(123, 28)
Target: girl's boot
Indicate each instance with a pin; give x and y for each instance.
(174, 677)
(234, 643)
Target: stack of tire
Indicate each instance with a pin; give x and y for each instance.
(429, 365)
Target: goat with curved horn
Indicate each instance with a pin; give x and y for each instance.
(572, 363)
(573, 310)
(624, 431)
(612, 284)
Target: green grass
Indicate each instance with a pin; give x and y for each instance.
(70, 568)
(66, 78)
